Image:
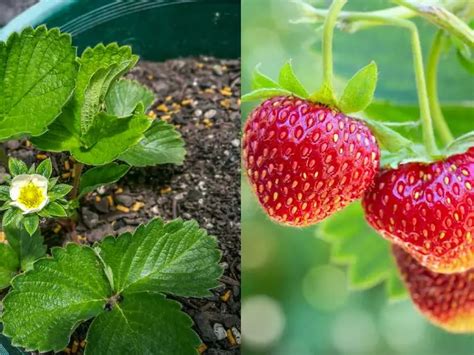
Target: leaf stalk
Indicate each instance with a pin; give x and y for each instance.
(77, 171)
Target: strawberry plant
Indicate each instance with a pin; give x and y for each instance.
(82, 107)
(120, 283)
(305, 164)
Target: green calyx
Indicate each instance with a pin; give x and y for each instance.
(357, 94)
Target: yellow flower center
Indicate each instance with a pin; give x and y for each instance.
(31, 196)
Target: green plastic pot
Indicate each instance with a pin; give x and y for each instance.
(156, 29)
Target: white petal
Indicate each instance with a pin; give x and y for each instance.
(43, 204)
(17, 183)
(40, 181)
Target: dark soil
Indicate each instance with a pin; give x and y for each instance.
(200, 97)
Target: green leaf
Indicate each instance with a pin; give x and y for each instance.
(47, 303)
(290, 82)
(101, 175)
(89, 134)
(143, 323)
(4, 193)
(388, 138)
(261, 81)
(360, 89)
(400, 118)
(125, 95)
(6, 206)
(114, 137)
(31, 223)
(10, 216)
(28, 248)
(59, 191)
(162, 145)
(45, 168)
(54, 209)
(95, 93)
(17, 167)
(356, 244)
(9, 265)
(99, 68)
(176, 257)
(457, 114)
(37, 76)
(58, 138)
(461, 144)
(265, 94)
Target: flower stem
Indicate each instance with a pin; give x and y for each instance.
(328, 32)
(432, 88)
(77, 171)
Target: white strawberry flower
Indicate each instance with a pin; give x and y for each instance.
(29, 192)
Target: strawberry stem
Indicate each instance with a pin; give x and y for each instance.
(432, 88)
(428, 133)
(325, 94)
(328, 32)
(437, 14)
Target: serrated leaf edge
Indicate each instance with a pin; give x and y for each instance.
(113, 240)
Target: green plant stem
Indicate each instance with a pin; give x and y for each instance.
(349, 20)
(354, 21)
(77, 171)
(432, 88)
(428, 133)
(441, 17)
(328, 32)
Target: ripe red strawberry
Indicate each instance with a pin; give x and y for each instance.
(447, 300)
(306, 161)
(428, 209)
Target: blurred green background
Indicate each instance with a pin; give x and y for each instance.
(294, 300)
